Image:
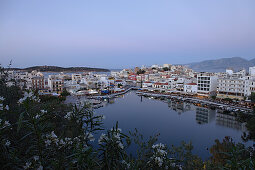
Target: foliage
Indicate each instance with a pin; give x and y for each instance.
(250, 125)
(140, 71)
(166, 69)
(228, 99)
(249, 120)
(232, 156)
(65, 93)
(213, 97)
(252, 97)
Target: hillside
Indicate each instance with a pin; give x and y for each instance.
(220, 65)
(61, 69)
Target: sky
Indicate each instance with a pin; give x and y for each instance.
(124, 33)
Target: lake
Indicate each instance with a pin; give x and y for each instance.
(175, 121)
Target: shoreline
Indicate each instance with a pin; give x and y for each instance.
(201, 101)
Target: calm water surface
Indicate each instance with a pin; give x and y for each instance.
(174, 121)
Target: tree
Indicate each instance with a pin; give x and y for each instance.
(166, 69)
(140, 72)
(65, 93)
(252, 97)
(213, 97)
(231, 155)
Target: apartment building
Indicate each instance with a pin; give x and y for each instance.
(38, 83)
(206, 84)
(249, 85)
(231, 87)
(56, 83)
(76, 77)
(252, 71)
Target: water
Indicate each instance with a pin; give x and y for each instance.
(175, 122)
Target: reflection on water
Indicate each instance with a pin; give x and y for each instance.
(204, 115)
(176, 121)
(229, 121)
(180, 107)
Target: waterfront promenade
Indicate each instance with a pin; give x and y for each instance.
(196, 100)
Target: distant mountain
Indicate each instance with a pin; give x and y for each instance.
(220, 65)
(61, 69)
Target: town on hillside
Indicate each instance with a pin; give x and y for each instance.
(165, 79)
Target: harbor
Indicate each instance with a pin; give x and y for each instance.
(174, 119)
(202, 102)
(114, 94)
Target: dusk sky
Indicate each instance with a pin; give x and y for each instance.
(124, 33)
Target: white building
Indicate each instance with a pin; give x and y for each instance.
(206, 84)
(172, 83)
(190, 88)
(249, 85)
(231, 88)
(180, 84)
(160, 86)
(120, 82)
(229, 71)
(104, 82)
(147, 84)
(252, 71)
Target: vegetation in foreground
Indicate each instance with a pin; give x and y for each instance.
(37, 132)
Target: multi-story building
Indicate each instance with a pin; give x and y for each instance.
(180, 84)
(24, 79)
(236, 84)
(76, 78)
(56, 83)
(206, 84)
(249, 85)
(231, 87)
(190, 88)
(38, 83)
(252, 71)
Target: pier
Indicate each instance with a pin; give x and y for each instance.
(114, 94)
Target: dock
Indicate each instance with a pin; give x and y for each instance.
(114, 94)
